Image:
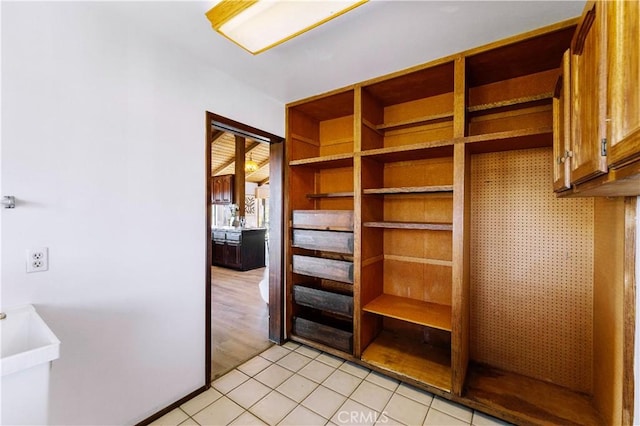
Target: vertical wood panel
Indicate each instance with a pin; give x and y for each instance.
(276, 243)
(630, 281)
(357, 219)
(460, 274)
(207, 232)
(239, 189)
(460, 98)
(608, 292)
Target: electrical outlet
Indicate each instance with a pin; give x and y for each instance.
(38, 259)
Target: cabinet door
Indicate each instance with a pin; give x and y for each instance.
(588, 95)
(218, 253)
(217, 189)
(212, 183)
(562, 126)
(623, 52)
(233, 255)
(227, 189)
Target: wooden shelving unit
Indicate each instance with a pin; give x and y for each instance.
(407, 224)
(320, 225)
(435, 162)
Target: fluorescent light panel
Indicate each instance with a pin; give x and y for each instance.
(259, 25)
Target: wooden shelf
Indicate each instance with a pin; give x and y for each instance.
(410, 190)
(411, 310)
(326, 161)
(536, 137)
(416, 360)
(331, 195)
(502, 392)
(410, 225)
(416, 121)
(511, 102)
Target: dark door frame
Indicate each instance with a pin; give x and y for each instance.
(215, 122)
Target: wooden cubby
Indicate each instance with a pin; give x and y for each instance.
(407, 224)
(412, 108)
(470, 278)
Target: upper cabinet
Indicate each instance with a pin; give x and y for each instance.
(602, 150)
(222, 189)
(588, 96)
(623, 47)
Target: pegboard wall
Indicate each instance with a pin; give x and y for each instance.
(531, 270)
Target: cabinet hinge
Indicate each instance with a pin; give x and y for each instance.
(603, 147)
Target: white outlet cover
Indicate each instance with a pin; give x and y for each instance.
(38, 259)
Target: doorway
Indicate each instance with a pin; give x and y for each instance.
(216, 126)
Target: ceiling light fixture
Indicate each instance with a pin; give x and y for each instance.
(250, 166)
(258, 25)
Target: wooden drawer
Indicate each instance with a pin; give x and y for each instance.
(338, 242)
(325, 334)
(323, 300)
(336, 220)
(337, 270)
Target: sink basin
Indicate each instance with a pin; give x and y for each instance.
(28, 347)
(26, 340)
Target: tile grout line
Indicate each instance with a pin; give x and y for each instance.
(318, 354)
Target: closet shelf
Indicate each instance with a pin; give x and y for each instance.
(411, 310)
(325, 161)
(511, 102)
(331, 195)
(434, 118)
(410, 190)
(534, 137)
(410, 225)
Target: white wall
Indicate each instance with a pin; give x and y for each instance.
(103, 146)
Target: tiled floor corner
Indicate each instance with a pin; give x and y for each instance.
(297, 385)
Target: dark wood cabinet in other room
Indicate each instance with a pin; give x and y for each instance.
(222, 189)
(241, 249)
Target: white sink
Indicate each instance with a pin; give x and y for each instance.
(28, 347)
(26, 340)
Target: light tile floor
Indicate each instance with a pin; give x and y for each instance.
(297, 385)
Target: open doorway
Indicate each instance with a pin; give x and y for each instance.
(243, 284)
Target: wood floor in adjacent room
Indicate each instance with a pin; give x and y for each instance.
(239, 318)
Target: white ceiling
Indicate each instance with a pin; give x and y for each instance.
(380, 37)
